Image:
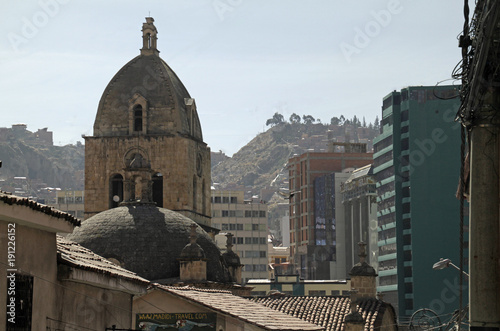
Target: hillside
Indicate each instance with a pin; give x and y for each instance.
(31, 164)
(261, 163)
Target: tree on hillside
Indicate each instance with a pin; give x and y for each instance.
(294, 118)
(275, 120)
(308, 119)
(364, 122)
(355, 121)
(335, 121)
(376, 124)
(342, 120)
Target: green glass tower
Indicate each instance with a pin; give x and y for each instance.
(417, 163)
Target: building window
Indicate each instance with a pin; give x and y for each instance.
(225, 213)
(262, 254)
(234, 200)
(262, 213)
(116, 187)
(158, 189)
(22, 300)
(138, 118)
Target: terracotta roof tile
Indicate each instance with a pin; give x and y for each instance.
(327, 311)
(72, 254)
(10, 199)
(240, 308)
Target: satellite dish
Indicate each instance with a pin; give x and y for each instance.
(116, 198)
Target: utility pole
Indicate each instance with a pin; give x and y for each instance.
(484, 288)
(480, 114)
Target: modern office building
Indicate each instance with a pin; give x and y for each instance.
(359, 198)
(314, 184)
(416, 163)
(246, 220)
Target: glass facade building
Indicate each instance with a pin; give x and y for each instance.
(416, 164)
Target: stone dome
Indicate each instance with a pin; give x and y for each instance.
(147, 80)
(148, 241)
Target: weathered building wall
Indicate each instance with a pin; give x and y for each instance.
(183, 163)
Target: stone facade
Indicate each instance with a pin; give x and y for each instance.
(194, 271)
(365, 286)
(183, 189)
(147, 143)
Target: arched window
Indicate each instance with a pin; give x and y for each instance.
(116, 191)
(148, 37)
(138, 118)
(158, 189)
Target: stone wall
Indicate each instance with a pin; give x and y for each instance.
(183, 163)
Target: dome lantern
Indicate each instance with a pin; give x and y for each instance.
(149, 38)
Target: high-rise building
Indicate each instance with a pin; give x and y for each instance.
(314, 208)
(359, 197)
(246, 220)
(416, 163)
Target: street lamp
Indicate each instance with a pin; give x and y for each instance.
(445, 263)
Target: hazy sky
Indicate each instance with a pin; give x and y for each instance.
(242, 60)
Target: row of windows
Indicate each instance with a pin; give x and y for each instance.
(386, 234)
(249, 241)
(239, 213)
(255, 267)
(387, 249)
(382, 144)
(224, 199)
(387, 265)
(388, 280)
(384, 158)
(254, 254)
(240, 227)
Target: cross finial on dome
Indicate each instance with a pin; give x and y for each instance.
(149, 38)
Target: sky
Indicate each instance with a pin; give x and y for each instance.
(241, 60)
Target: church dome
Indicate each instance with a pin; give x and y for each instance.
(166, 108)
(148, 241)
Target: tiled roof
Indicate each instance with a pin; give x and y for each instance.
(72, 254)
(240, 308)
(327, 311)
(10, 199)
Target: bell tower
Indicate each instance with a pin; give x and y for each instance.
(147, 144)
(149, 38)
